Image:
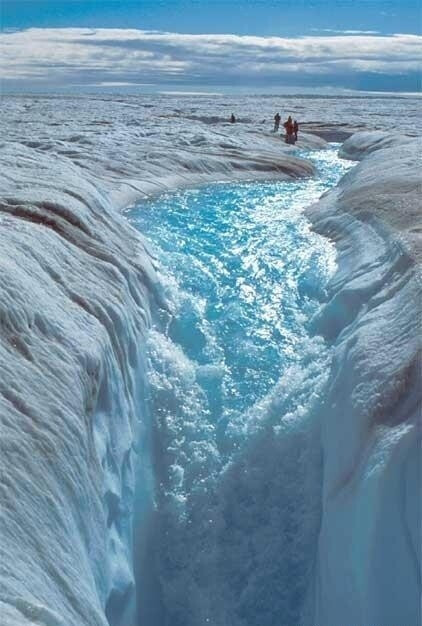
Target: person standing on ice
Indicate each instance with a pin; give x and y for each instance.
(232, 119)
(288, 125)
(277, 120)
(295, 129)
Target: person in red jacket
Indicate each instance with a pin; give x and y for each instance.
(288, 125)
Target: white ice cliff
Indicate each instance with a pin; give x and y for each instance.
(369, 554)
(75, 287)
(77, 294)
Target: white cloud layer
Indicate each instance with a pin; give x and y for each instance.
(124, 56)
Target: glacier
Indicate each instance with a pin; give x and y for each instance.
(79, 293)
(369, 565)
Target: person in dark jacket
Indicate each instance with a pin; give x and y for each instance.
(295, 129)
(277, 120)
(232, 118)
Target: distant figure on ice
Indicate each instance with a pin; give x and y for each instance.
(288, 125)
(232, 119)
(295, 129)
(277, 120)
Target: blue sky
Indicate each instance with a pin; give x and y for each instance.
(269, 45)
(242, 17)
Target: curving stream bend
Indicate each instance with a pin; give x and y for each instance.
(236, 377)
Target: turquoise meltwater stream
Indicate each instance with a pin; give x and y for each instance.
(231, 356)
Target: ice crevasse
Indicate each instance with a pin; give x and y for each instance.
(77, 291)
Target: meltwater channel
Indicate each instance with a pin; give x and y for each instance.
(236, 384)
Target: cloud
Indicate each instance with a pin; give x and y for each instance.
(189, 93)
(106, 83)
(60, 57)
(346, 32)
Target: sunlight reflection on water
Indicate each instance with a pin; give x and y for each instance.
(247, 271)
(235, 383)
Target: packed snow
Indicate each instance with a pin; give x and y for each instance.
(369, 557)
(363, 143)
(79, 292)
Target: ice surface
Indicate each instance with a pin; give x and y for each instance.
(369, 559)
(135, 147)
(75, 287)
(77, 292)
(363, 143)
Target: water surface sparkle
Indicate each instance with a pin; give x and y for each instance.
(243, 272)
(236, 382)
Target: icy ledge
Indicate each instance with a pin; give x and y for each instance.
(359, 145)
(75, 288)
(369, 559)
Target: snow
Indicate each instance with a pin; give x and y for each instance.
(75, 288)
(363, 143)
(129, 151)
(369, 546)
(77, 295)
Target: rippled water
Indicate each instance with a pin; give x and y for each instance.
(242, 274)
(241, 270)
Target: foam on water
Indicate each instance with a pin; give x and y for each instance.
(232, 363)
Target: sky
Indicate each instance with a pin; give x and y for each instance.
(218, 46)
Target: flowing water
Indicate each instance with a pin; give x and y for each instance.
(235, 378)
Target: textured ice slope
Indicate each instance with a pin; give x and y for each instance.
(363, 143)
(368, 569)
(131, 148)
(75, 286)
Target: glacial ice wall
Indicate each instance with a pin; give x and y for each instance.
(369, 559)
(75, 287)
